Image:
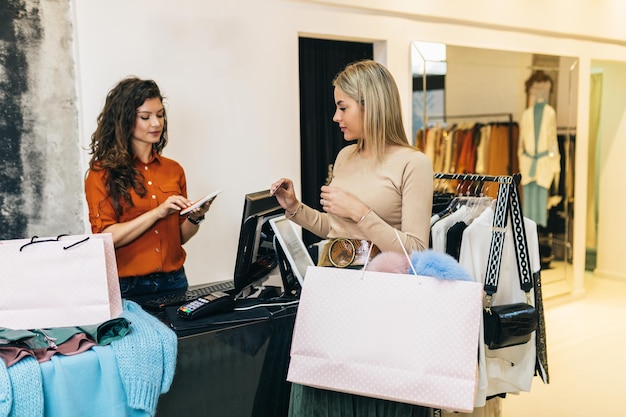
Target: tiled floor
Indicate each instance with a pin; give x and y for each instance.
(586, 357)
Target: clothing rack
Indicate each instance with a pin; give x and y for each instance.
(508, 203)
(475, 116)
(500, 179)
(566, 129)
(482, 116)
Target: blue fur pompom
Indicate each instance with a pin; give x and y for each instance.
(438, 265)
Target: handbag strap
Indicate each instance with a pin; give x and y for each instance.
(508, 204)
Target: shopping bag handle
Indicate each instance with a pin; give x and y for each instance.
(403, 250)
(58, 238)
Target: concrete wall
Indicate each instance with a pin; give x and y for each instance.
(40, 185)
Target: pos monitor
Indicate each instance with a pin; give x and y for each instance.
(256, 256)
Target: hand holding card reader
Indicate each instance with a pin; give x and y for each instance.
(209, 304)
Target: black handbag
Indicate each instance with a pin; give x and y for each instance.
(508, 324)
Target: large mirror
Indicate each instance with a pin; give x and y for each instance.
(462, 89)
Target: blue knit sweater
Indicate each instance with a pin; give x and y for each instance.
(146, 359)
(21, 392)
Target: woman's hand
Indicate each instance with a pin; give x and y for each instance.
(202, 210)
(126, 232)
(173, 204)
(285, 194)
(341, 203)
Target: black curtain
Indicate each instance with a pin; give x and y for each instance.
(320, 138)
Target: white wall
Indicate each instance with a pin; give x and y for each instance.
(230, 71)
(486, 81)
(612, 150)
(601, 19)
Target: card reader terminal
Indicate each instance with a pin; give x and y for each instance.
(206, 305)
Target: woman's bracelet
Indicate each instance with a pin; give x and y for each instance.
(364, 216)
(290, 214)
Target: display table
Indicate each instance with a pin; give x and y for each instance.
(123, 378)
(235, 371)
(231, 370)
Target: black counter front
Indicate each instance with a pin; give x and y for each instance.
(235, 371)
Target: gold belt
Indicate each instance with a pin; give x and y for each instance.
(342, 252)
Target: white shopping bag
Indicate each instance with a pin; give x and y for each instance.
(406, 338)
(58, 281)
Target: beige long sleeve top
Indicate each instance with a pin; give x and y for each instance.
(399, 191)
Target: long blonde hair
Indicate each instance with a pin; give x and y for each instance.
(372, 85)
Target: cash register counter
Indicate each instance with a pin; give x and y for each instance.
(231, 366)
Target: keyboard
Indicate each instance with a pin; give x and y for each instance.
(159, 302)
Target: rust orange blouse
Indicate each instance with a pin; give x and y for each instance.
(159, 249)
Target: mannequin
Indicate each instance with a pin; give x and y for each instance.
(538, 86)
(538, 152)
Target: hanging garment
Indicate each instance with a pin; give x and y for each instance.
(466, 161)
(500, 159)
(507, 370)
(539, 159)
(440, 228)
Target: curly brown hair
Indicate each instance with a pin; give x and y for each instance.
(110, 146)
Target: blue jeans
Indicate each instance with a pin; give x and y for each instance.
(154, 283)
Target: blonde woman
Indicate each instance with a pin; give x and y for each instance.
(380, 185)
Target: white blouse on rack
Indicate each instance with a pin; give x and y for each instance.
(507, 370)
